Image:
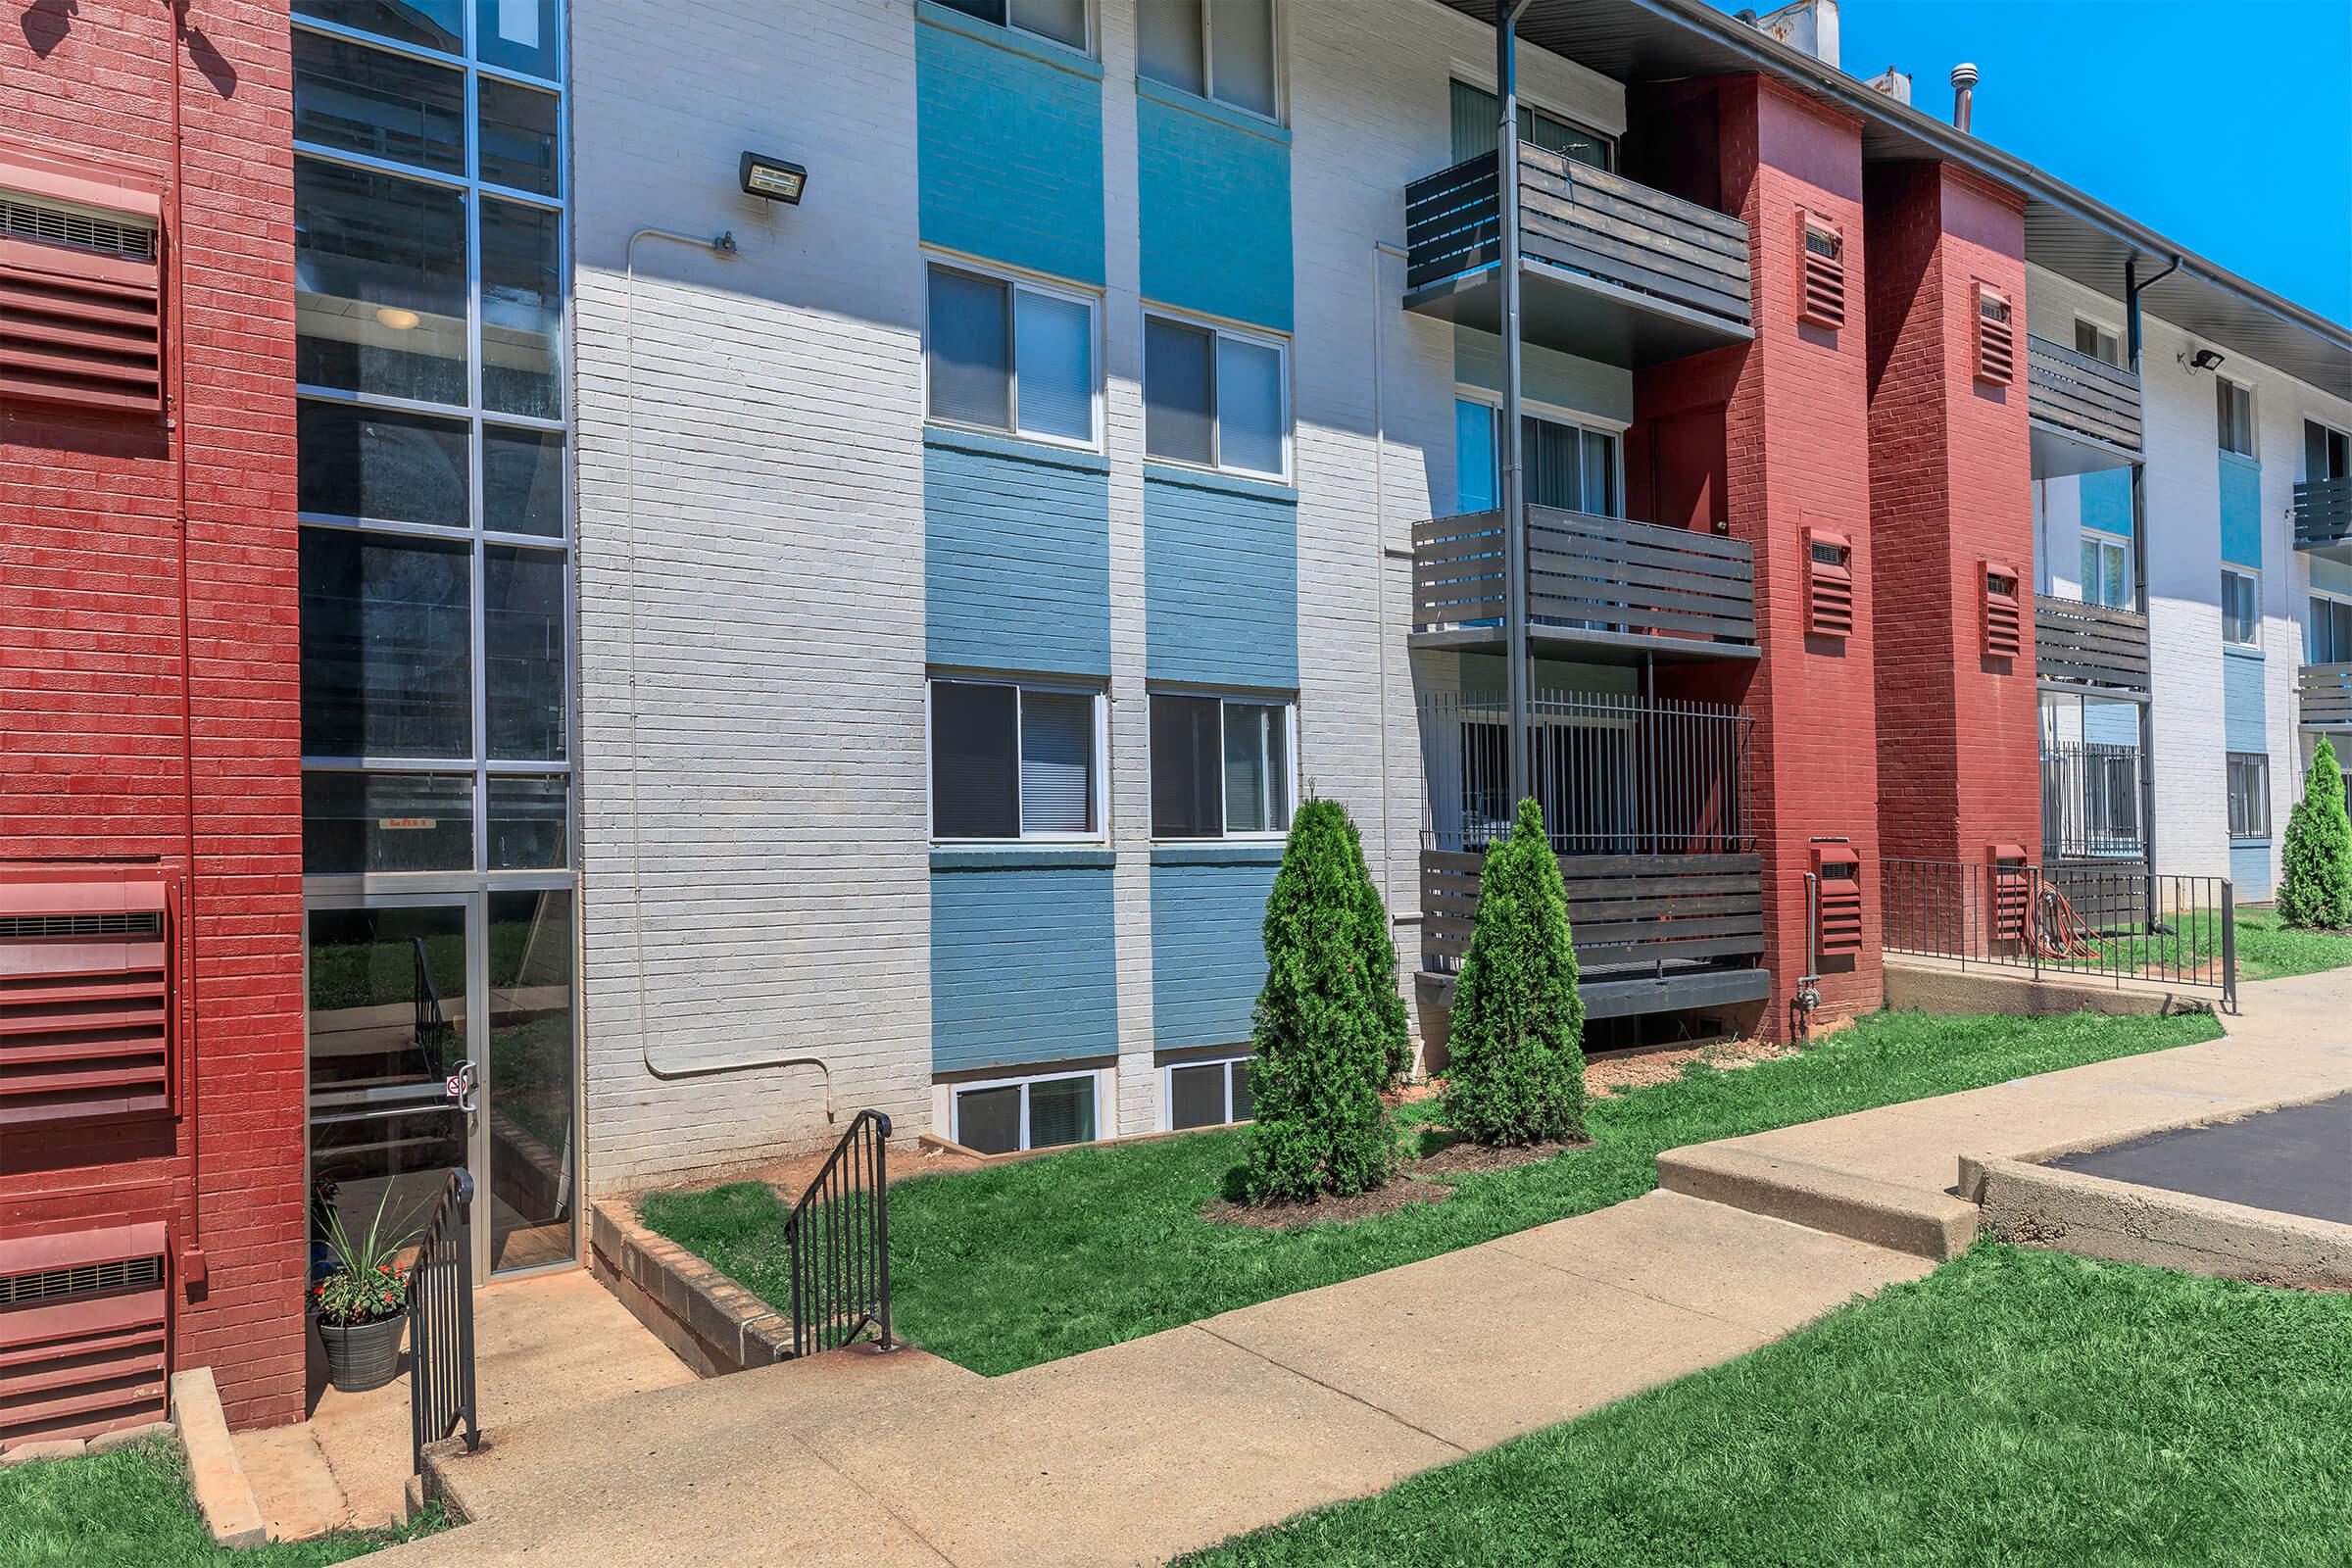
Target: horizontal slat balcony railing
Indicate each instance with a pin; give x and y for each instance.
(1625, 912)
(2080, 396)
(2324, 693)
(2323, 514)
(1590, 578)
(2091, 645)
(1581, 219)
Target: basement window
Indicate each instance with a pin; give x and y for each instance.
(1013, 1114)
(1207, 1094)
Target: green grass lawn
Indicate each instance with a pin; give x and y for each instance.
(130, 1509)
(2013, 1407)
(2267, 950)
(1002, 1268)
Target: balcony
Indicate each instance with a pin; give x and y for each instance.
(2324, 695)
(1642, 799)
(2323, 516)
(1600, 589)
(1613, 271)
(2084, 412)
(2090, 646)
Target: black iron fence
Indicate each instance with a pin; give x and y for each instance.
(441, 1391)
(838, 1236)
(2091, 794)
(2082, 924)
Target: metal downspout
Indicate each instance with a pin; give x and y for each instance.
(2132, 289)
(1512, 479)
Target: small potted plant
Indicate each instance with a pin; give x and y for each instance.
(361, 1302)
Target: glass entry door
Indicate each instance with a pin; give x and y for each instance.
(441, 1038)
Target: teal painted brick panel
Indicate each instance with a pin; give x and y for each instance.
(2107, 501)
(2250, 871)
(2242, 511)
(1220, 585)
(1009, 147)
(1022, 969)
(1016, 561)
(2241, 702)
(1216, 212)
(1208, 952)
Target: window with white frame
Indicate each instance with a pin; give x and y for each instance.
(2234, 415)
(1208, 1092)
(1014, 760)
(2242, 607)
(2106, 569)
(1007, 354)
(2327, 630)
(1221, 49)
(1062, 21)
(1220, 766)
(1564, 463)
(2326, 452)
(2249, 781)
(2102, 343)
(1215, 398)
(1011, 1115)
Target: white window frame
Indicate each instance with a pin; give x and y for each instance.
(1208, 68)
(1098, 784)
(1167, 1090)
(2254, 577)
(956, 1091)
(1218, 329)
(2261, 798)
(1550, 414)
(1224, 700)
(2332, 597)
(1084, 46)
(2116, 332)
(2100, 539)
(1016, 281)
(2253, 420)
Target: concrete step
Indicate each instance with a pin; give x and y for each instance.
(1906, 1219)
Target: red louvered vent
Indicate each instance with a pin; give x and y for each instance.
(81, 296)
(1996, 338)
(1838, 873)
(87, 995)
(2012, 884)
(84, 1332)
(1828, 584)
(1820, 286)
(2004, 612)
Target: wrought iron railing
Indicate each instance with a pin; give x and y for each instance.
(2091, 794)
(2076, 924)
(441, 1388)
(838, 1237)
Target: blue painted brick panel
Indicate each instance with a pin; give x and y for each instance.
(1016, 562)
(2250, 872)
(1215, 217)
(1208, 952)
(2107, 501)
(1220, 586)
(2241, 702)
(1022, 969)
(1009, 150)
(2242, 511)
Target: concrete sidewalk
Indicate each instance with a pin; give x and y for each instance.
(1141, 1450)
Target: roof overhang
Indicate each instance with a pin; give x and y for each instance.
(2067, 231)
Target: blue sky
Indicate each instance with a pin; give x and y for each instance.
(2226, 125)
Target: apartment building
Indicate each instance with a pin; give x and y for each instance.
(829, 540)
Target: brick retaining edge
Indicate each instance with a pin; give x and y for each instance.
(708, 1321)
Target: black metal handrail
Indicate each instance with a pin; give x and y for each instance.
(441, 1390)
(838, 1236)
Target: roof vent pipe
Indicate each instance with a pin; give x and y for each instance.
(1964, 93)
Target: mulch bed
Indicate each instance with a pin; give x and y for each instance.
(1418, 1181)
(1463, 1158)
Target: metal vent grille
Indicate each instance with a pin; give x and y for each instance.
(2004, 612)
(1821, 295)
(1829, 587)
(62, 225)
(89, 1279)
(1996, 339)
(134, 922)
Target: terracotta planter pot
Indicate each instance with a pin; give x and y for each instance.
(362, 1355)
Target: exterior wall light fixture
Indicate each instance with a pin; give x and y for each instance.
(2207, 360)
(772, 177)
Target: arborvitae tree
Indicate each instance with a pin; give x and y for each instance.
(2317, 887)
(1517, 1068)
(1378, 954)
(1320, 1126)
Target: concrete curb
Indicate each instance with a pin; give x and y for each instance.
(1923, 1224)
(2123, 1222)
(232, 1515)
(1928, 985)
(708, 1321)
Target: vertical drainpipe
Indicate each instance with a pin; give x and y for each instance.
(1511, 486)
(2132, 289)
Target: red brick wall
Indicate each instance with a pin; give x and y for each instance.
(126, 738)
(1951, 485)
(1794, 407)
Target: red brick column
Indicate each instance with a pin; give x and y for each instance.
(149, 670)
(1951, 490)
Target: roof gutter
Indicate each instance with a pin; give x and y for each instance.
(1830, 82)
